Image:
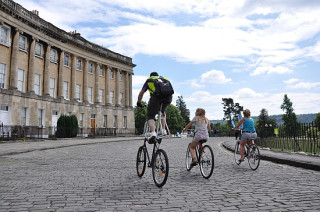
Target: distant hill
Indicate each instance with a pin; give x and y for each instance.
(302, 118)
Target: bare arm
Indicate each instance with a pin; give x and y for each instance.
(188, 126)
(209, 127)
(141, 95)
(238, 125)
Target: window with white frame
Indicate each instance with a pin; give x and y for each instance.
(66, 60)
(100, 71)
(121, 76)
(3, 73)
(53, 56)
(115, 121)
(90, 94)
(5, 35)
(105, 121)
(121, 98)
(40, 117)
(111, 74)
(66, 89)
(91, 66)
(52, 91)
(100, 95)
(21, 80)
(124, 121)
(111, 97)
(79, 64)
(23, 43)
(81, 120)
(24, 116)
(78, 92)
(38, 50)
(37, 84)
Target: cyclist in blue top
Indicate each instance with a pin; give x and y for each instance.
(249, 131)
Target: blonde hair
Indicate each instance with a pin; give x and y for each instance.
(247, 113)
(202, 115)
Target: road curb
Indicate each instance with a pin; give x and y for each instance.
(295, 163)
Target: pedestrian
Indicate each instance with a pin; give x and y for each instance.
(161, 91)
(249, 131)
(202, 127)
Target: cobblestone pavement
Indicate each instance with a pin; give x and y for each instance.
(102, 177)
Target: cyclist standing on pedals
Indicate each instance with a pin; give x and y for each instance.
(202, 126)
(249, 131)
(158, 96)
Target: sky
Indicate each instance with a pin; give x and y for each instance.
(251, 51)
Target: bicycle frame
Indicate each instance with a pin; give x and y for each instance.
(156, 146)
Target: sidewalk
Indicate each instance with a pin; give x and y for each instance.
(18, 147)
(292, 159)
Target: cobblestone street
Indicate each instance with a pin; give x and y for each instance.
(102, 177)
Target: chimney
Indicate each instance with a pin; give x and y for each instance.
(36, 12)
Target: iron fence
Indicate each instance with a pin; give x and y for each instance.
(301, 137)
(33, 132)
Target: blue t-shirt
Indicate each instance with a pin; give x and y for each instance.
(248, 125)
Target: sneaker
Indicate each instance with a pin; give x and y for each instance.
(152, 139)
(164, 132)
(193, 163)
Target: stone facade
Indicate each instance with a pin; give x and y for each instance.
(46, 72)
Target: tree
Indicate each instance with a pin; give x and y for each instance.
(230, 109)
(184, 112)
(289, 118)
(265, 125)
(317, 121)
(140, 117)
(174, 119)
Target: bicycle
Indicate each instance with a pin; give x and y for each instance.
(251, 152)
(159, 160)
(205, 158)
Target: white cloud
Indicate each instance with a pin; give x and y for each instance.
(271, 70)
(138, 81)
(215, 77)
(298, 84)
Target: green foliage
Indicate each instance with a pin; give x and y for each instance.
(140, 117)
(174, 119)
(223, 129)
(230, 109)
(182, 107)
(67, 126)
(289, 118)
(317, 121)
(265, 126)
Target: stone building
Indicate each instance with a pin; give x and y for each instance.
(46, 72)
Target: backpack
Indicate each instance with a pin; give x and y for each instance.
(162, 86)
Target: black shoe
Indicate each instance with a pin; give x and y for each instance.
(152, 140)
(193, 163)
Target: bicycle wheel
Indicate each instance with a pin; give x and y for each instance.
(237, 155)
(254, 157)
(206, 161)
(141, 161)
(160, 167)
(188, 158)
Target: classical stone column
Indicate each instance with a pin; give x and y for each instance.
(130, 90)
(14, 61)
(60, 75)
(107, 87)
(96, 82)
(117, 87)
(46, 81)
(85, 81)
(127, 88)
(31, 65)
(73, 76)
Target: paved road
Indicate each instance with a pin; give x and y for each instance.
(102, 177)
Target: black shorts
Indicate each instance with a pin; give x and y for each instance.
(155, 103)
